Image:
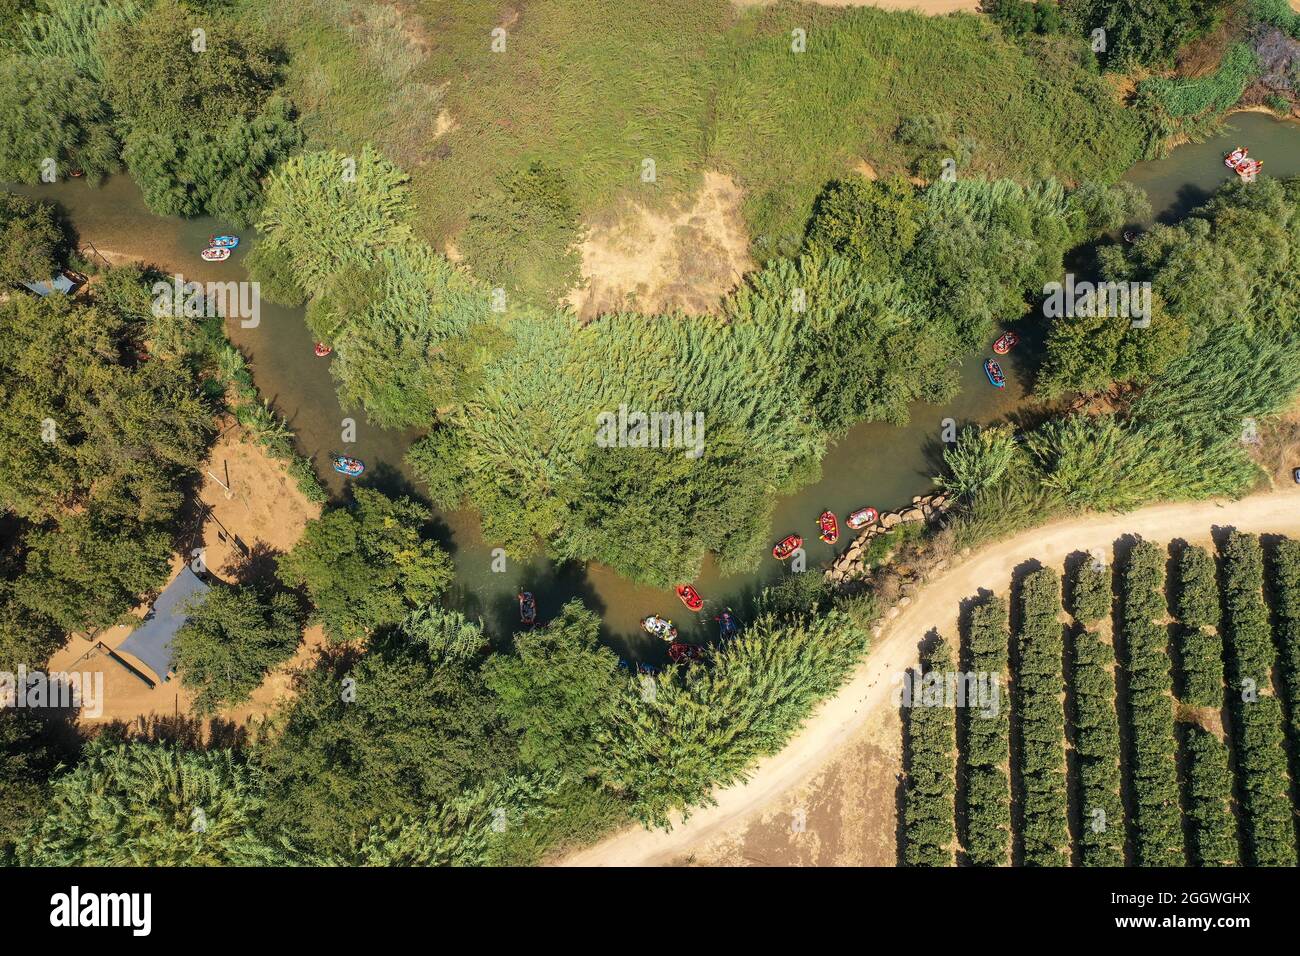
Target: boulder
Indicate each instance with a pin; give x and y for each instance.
(889, 520)
(913, 514)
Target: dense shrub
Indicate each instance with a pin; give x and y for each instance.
(1038, 690)
(1157, 829)
(1257, 715)
(1200, 649)
(931, 752)
(1096, 724)
(1209, 798)
(988, 789)
(1285, 582)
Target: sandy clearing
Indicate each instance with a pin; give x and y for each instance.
(265, 514)
(836, 722)
(687, 257)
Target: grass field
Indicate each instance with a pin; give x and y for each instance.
(594, 90)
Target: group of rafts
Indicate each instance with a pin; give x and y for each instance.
(218, 250)
(828, 530)
(1242, 164)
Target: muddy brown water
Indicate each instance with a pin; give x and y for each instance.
(874, 464)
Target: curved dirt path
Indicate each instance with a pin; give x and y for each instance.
(935, 606)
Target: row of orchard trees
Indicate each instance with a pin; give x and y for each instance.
(1197, 736)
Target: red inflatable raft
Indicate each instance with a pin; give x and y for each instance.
(690, 597)
(830, 528)
(1005, 343)
(787, 547)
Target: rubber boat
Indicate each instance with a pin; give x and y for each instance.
(830, 528)
(690, 597)
(215, 255)
(1006, 342)
(348, 466)
(863, 517)
(787, 547)
(223, 242)
(660, 627)
(1250, 168)
(321, 349)
(1236, 157)
(994, 371)
(527, 608)
(680, 653)
(727, 625)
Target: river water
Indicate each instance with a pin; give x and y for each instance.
(874, 464)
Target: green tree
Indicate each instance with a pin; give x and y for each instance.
(390, 732)
(874, 222)
(231, 638)
(32, 243)
(556, 689)
(366, 566)
(142, 804)
(327, 210)
(50, 112)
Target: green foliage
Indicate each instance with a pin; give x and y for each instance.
(325, 211)
(669, 743)
(523, 235)
(1257, 715)
(231, 638)
(366, 566)
(1194, 107)
(70, 30)
(156, 79)
(871, 222)
(931, 755)
(1017, 18)
(977, 459)
(1209, 799)
(987, 745)
(1037, 699)
(26, 761)
(1096, 742)
(50, 112)
(1089, 594)
(1143, 32)
(216, 170)
(389, 733)
(1285, 581)
(445, 635)
(556, 689)
(471, 829)
(1200, 649)
(32, 244)
(1158, 837)
(152, 805)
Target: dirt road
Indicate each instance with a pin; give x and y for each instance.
(869, 692)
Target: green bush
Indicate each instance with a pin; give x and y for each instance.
(987, 746)
(931, 754)
(1257, 715)
(1096, 724)
(1038, 689)
(1157, 828)
(1200, 649)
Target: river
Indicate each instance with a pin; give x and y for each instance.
(874, 464)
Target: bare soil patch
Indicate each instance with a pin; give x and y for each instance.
(264, 515)
(686, 258)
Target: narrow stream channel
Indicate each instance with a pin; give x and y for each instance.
(874, 464)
